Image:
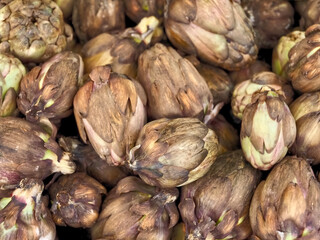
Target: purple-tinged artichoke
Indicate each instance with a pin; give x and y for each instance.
(217, 31)
(216, 206)
(270, 19)
(268, 129)
(11, 73)
(76, 200)
(24, 215)
(92, 17)
(26, 150)
(287, 204)
(110, 111)
(173, 85)
(173, 153)
(304, 62)
(47, 91)
(122, 50)
(135, 210)
(138, 9)
(263, 81)
(33, 30)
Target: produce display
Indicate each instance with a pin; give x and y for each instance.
(160, 120)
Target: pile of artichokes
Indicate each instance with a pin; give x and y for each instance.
(159, 119)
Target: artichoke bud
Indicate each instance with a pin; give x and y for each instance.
(66, 7)
(32, 30)
(11, 73)
(93, 17)
(120, 51)
(286, 205)
(216, 206)
(76, 200)
(135, 210)
(138, 9)
(26, 150)
(268, 129)
(304, 62)
(171, 153)
(308, 11)
(110, 111)
(48, 91)
(217, 31)
(173, 85)
(269, 25)
(263, 81)
(88, 161)
(280, 53)
(24, 215)
(306, 112)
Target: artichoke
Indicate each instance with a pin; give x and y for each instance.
(122, 50)
(263, 81)
(26, 150)
(216, 206)
(287, 204)
(270, 19)
(11, 73)
(76, 200)
(66, 7)
(33, 30)
(88, 161)
(173, 153)
(306, 112)
(217, 31)
(138, 9)
(280, 53)
(92, 17)
(135, 210)
(304, 61)
(25, 215)
(309, 12)
(110, 111)
(173, 85)
(48, 91)
(268, 129)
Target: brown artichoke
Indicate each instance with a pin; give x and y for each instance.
(110, 111)
(309, 12)
(92, 17)
(216, 206)
(33, 30)
(287, 204)
(138, 9)
(48, 91)
(217, 31)
(176, 152)
(66, 7)
(135, 210)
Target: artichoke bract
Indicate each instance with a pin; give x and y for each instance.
(47, 91)
(280, 53)
(11, 73)
(88, 161)
(110, 110)
(122, 50)
(173, 153)
(217, 31)
(306, 112)
(25, 215)
(66, 7)
(138, 9)
(26, 150)
(33, 30)
(268, 129)
(173, 85)
(135, 210)
(216, 206)
(92, 17)
(270, 19)
(263, 81)
(309, 12)
(76, 200)
(287, 204)
(303, 64)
